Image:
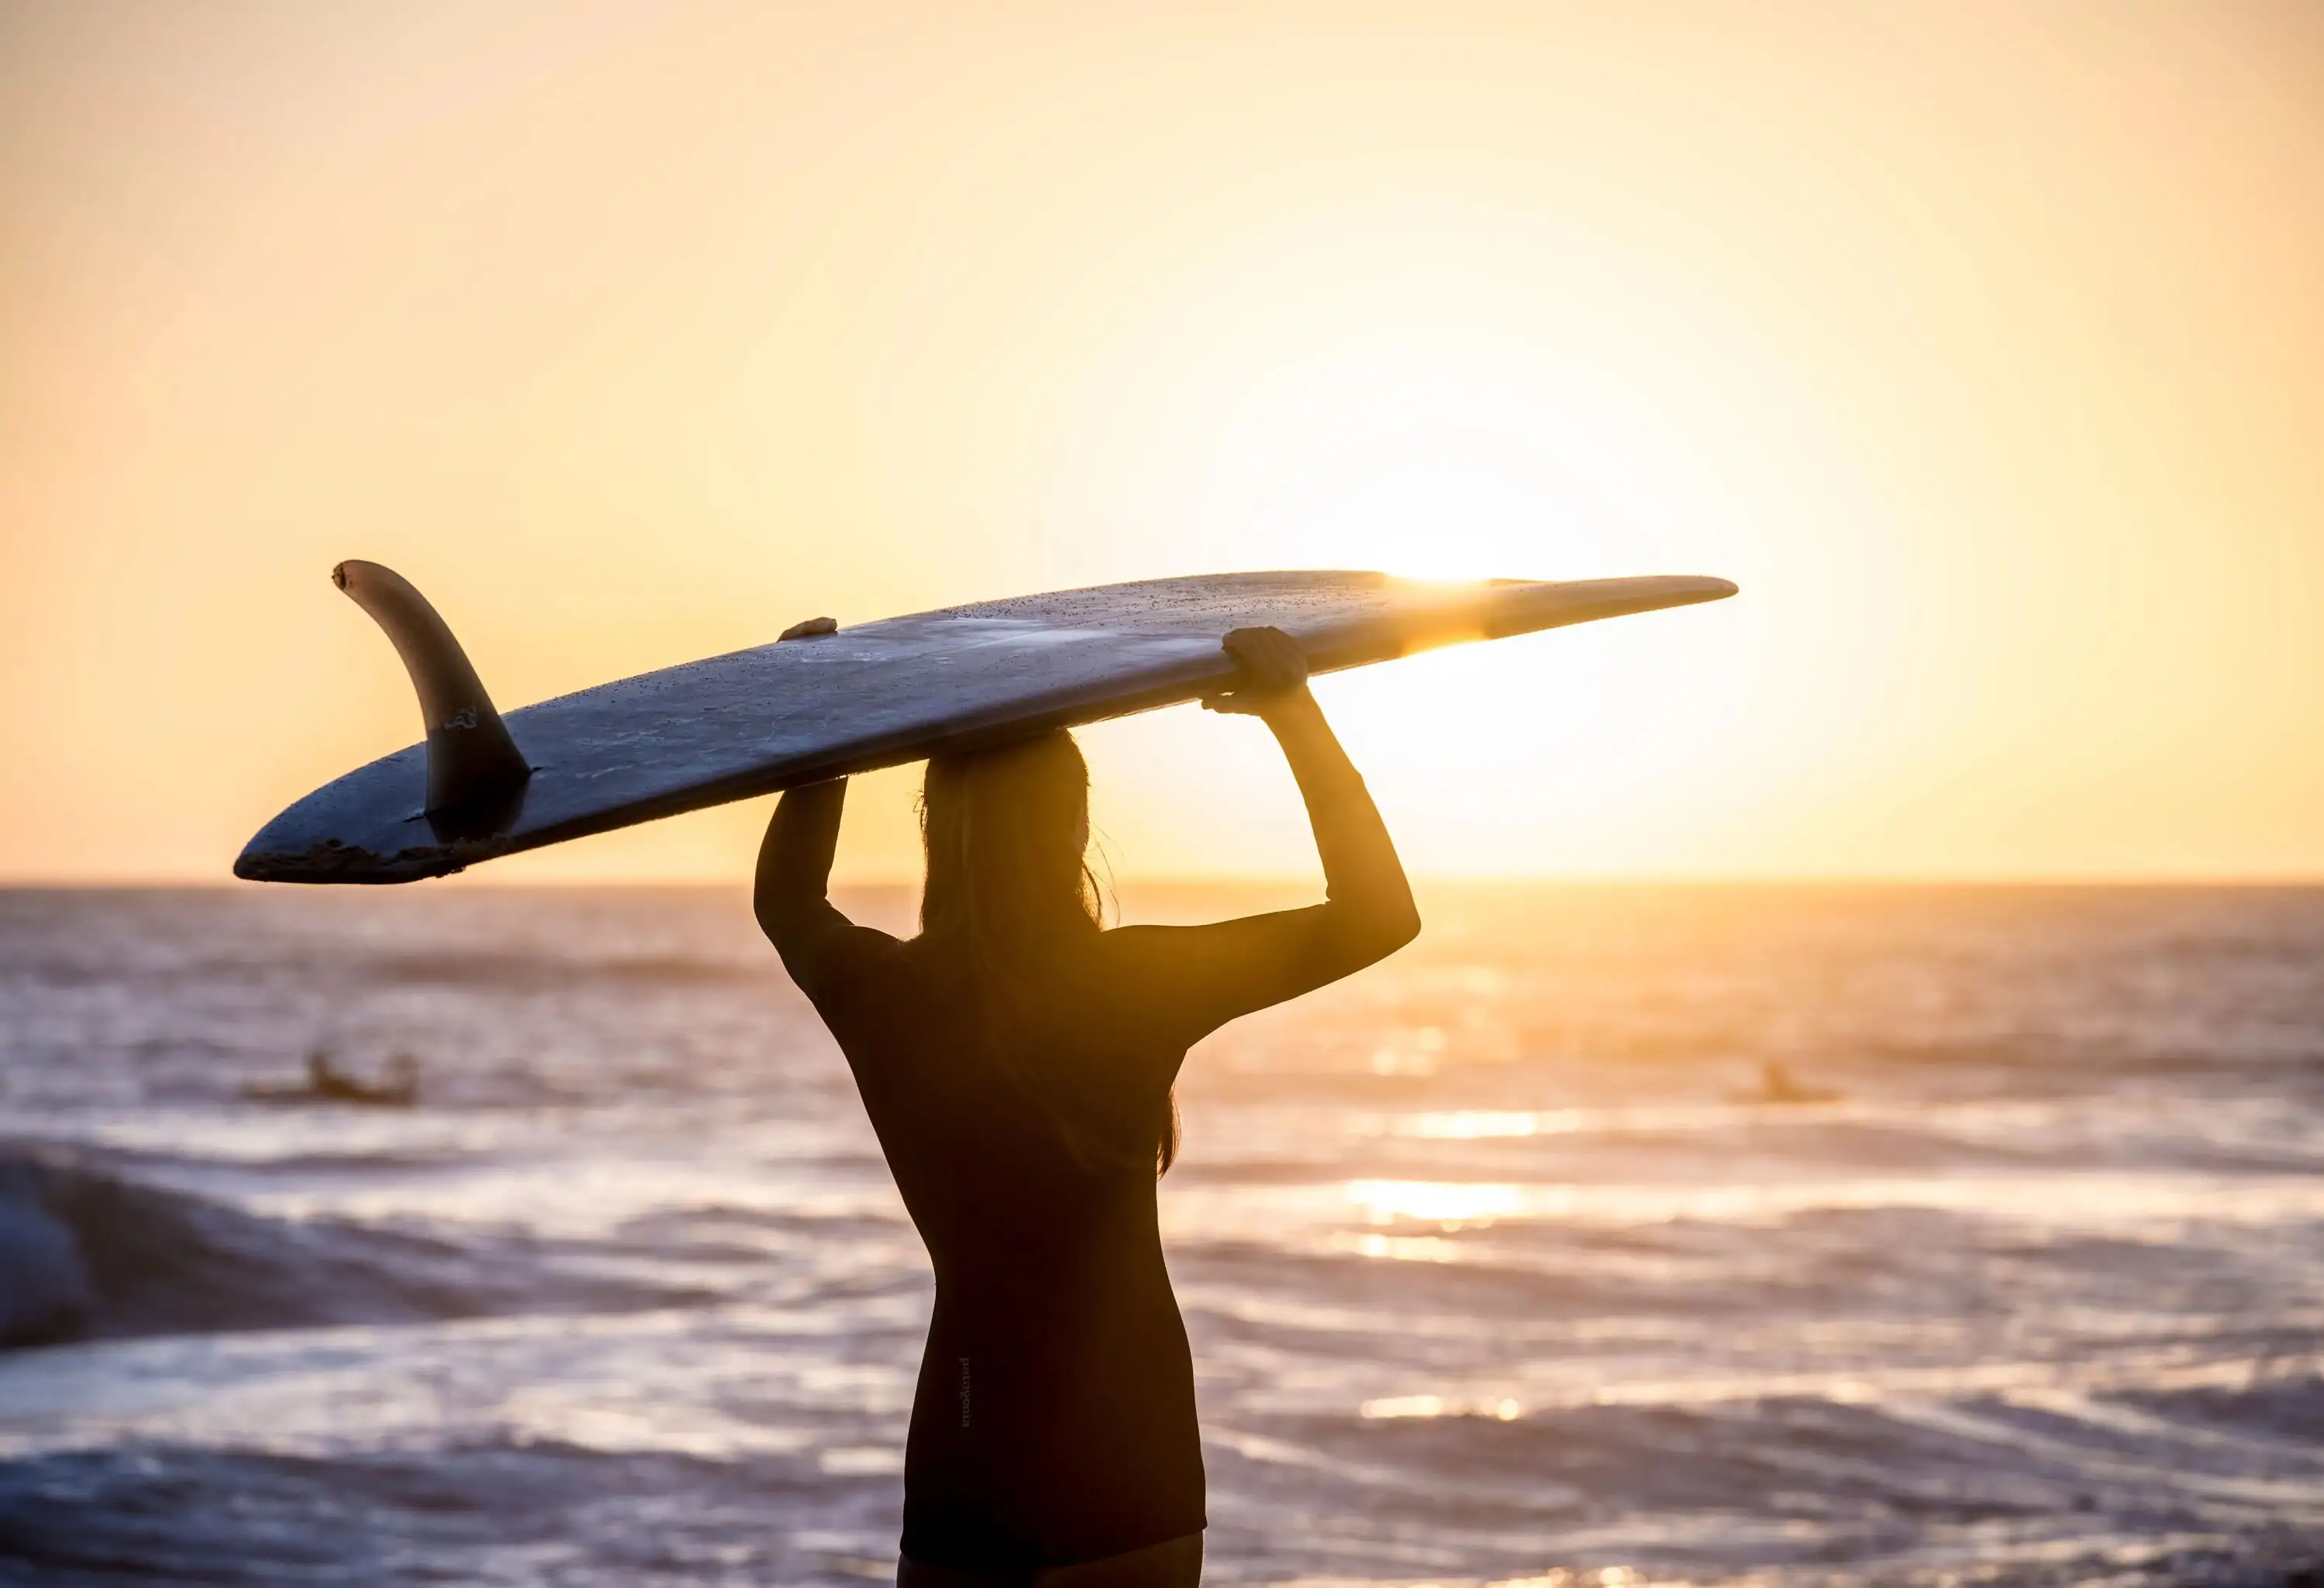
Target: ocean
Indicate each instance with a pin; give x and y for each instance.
(1510, 1261)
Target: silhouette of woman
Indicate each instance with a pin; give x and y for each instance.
(1018, 1062)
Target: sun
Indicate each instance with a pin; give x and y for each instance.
(1454, 456)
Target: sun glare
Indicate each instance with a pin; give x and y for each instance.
(1447, 460)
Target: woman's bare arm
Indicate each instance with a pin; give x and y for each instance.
(791, 896)
(1361, 873)
(1210, 975)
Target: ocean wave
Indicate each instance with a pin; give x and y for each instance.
(2162, 1489)
(497, 1509)
(88, 1252)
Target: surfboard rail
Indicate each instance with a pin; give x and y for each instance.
(830, 702)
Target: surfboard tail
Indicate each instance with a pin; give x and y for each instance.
(472, 764)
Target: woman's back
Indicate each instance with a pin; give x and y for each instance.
(1055, 1416)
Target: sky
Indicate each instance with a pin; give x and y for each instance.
(1982, 345)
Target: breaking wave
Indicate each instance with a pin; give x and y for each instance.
(89, 1252)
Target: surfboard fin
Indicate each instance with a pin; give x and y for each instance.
(471, 762)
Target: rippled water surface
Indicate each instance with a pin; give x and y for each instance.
(1498, 1261)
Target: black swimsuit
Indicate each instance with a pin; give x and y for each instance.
(1054, 1417)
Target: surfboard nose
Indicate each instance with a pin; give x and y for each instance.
(472, 761)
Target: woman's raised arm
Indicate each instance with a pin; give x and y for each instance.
(791, 896)
(1210, 975)
(1370, 902)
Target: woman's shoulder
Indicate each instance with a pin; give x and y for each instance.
(852, 961)
(1157, 945)
(1143, 938)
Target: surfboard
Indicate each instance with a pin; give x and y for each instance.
(826, 702)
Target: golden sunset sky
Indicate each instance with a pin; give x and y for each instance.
(1983, 345)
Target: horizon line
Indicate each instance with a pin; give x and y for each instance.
(1966, 879)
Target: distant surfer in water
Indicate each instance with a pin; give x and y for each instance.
(327, 1083)
(1017, 1061)
(1777, 1086)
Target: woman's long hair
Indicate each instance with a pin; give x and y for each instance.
(1008, 886)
